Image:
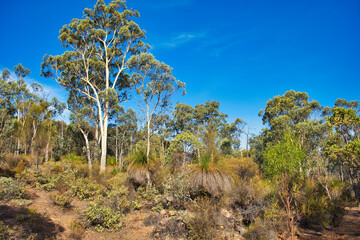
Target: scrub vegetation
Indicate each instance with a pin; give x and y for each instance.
(183, 172)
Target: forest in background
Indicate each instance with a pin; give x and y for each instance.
(301, 170)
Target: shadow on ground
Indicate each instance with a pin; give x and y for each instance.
(26, 222)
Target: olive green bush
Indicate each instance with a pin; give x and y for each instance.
(102, 216)
(11, 189)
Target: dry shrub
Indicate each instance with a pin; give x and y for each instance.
(152, 219)
(77, 230)
(170, 229)
(202, 224)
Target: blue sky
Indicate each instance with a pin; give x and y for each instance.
(240, 53)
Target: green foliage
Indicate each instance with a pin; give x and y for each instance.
(85, 188)
(11, 189)
(75, 158)
(317, 208)
(286, 157)
(110, 161)
(102, 216)
(205, 160)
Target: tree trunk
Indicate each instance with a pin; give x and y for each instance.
(48, 145)
(116, 145)
(104, 129)
(148, 141)
(88, 153)
(32, 138)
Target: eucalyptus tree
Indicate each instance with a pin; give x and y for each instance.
(126, 127)
(83, 116)
(155, 84)
(95, 63)
(343, 144)
(7, 107)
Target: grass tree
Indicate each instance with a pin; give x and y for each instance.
(98, 48)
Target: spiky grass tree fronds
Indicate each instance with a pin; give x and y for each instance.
(211, 175)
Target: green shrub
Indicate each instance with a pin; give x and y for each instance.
(61, 199)
(102, 216)
(75, 158)
(85, 188)
(317, 209)
(11, 189)
(110, 161)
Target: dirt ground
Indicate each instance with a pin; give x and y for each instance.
(348, 229)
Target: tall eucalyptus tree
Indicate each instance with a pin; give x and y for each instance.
(96, 59)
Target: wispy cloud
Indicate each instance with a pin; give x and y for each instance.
(161, 4)
(178, 40)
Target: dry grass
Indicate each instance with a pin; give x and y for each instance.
(213, 180)
(139, 174)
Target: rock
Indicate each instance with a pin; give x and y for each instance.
(172, 213)
(240, 229)
(221, 221)
(225, 213)
(163, 213)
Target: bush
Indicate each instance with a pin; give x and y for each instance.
(6, 232)
(202, 225)
(77, 230)
(85, 188)
(11, 189)
(259, 230)
(152, 219)
(74, 158)
(61, 199)
(170, 229)
(102, 216)
(317, 209)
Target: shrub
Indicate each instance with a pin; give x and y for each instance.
(152, 219)
(259, 230)
(202, 224)
(85, 188)
(61, 199)
(77, 230)
(102, 216)
(11, 189)
(170, 229)
(74, 158)
(110, 161)
(6, 232)
(317, 209)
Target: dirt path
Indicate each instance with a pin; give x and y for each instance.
(60, 216)
(349, 228)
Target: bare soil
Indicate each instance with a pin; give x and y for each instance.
(349, 228)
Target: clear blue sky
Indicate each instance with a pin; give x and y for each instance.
(240, 53)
